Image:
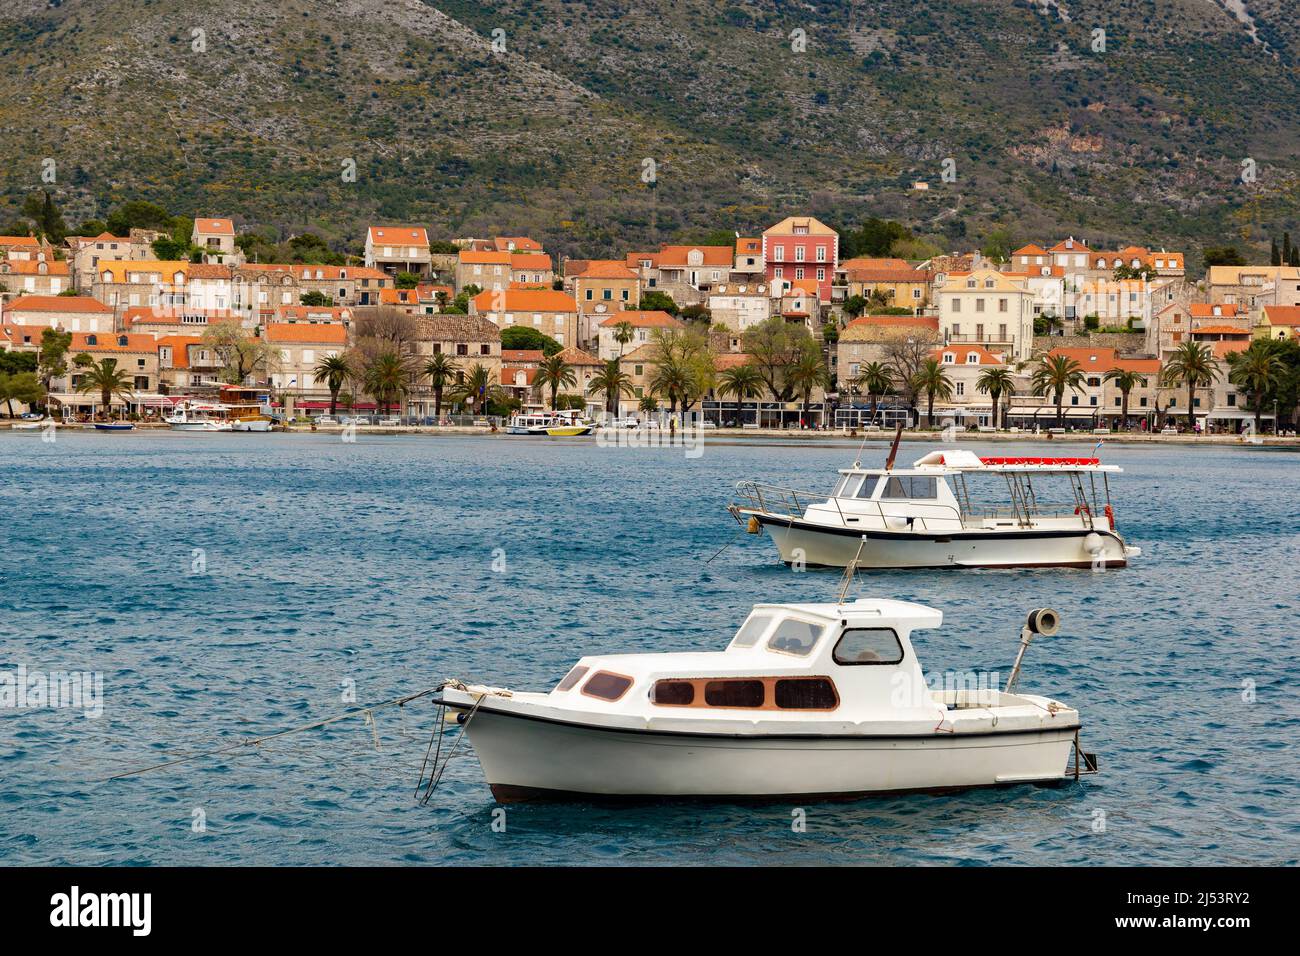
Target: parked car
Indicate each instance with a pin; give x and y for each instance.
(326, 420)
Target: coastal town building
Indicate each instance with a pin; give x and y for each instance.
(519, 376)
(85, 253)
(1254, 287)
(602, 288)
(986, 307)
(216, 237)
(186, 365)
(873, 338)
(73, 313)
(489, 271)
(34, 272)
(548, 311)
(801, 247)
(1278, 322)
(893, 282)
(643, 324)
(397, 249)
(740, 306)
(301, 346)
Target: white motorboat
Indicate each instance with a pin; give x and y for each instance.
(938, 514)
(807, 701)
(192, 416)
(561, 424)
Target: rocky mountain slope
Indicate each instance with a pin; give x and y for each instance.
(539, 116)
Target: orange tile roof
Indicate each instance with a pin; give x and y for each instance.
(1070, 245)
(1221, 330)
(111, 342)
(539, 261)
(806, 286)
(868, 262)
(747, 247)
(526, 300)
(332, 313)
(677, 256)
(1030, 250)
(312, 333)
(224, 227)
(1105, 359)
(399, 297)
(19, 241)
(1206, 310)
(1283, 314)
(725, 360)
(57, 303)
(470, 257)
(576, 356)
(32, 267)
(398, 235)
(210, 270)
(522, 355)
(180, 348)
(607, 269)
(520, 244)
(647, 319)
(961, 352)
(888, 274)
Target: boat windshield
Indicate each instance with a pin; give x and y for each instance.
(855, 486)
(751, 630)
(911, 487)
(796, 637)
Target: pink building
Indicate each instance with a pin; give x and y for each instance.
(800, 247)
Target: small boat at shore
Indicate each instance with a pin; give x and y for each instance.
(554, 424)
(935, 515)
(807, 701)
(114, 426)
(198, 417)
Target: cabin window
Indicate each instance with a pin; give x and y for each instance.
(911, 486)
(674, 693)
(868, 645)
(734, 693)
(571, 679)
(607, 685)
(752, 630)
(795, 637)
(806, 693)
(848, 487)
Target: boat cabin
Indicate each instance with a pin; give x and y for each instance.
(827, 662)
(954, 491)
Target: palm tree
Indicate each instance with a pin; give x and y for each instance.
(741, 382)
(807, 372)
(671, 379)
(1125, 380)
(876, 379)
(334, 370)
(103, 377)
(996, 382)
(932, 378)
(1257, 371)
(623, 332)
(1052, 375)
(612, 382)
(648, 404)
(441, 369)
(1191, 364)
(477, 388)
(387, 379)
(555, 373)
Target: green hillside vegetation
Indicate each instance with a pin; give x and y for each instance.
(1144, 142)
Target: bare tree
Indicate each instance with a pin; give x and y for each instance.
(905, 350)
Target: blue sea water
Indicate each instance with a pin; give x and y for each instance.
(378, 565)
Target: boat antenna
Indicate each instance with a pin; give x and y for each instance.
(893, 449)
(850, 572)
(857, 460)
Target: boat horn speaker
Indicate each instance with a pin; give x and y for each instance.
(1043, 621)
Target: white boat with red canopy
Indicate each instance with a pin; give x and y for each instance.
(1048, 512)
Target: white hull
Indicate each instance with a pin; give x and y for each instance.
(810, 545)
(253, 425)
(200, 426)
(526, 759)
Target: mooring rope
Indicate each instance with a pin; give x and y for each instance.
(366, 712)
(435, 774)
